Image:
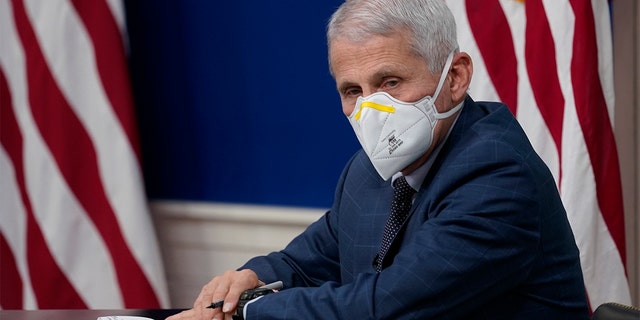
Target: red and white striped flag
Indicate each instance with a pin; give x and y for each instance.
(75, 230)
(550, 61)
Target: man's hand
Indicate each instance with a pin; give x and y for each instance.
(227, 286)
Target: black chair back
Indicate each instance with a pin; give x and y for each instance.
(616, 311)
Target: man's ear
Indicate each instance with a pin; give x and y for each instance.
(461, 72)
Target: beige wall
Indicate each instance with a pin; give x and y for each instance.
(202, 240)
(626, 36)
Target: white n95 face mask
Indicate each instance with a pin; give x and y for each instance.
(394, 133)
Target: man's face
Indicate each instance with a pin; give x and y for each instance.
(379, 64)
(387, 64)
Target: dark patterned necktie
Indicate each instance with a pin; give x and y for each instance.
(402, 194)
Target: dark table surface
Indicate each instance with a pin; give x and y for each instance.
(82, 314)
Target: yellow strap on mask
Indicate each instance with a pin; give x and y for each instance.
(373, 105)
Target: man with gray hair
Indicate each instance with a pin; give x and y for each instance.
(447, 212)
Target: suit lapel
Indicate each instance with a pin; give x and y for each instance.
(421, 197)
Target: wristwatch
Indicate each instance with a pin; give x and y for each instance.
(247, 296)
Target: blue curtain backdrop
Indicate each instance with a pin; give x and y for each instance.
(235, 102)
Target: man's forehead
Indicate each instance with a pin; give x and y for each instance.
(374, 56)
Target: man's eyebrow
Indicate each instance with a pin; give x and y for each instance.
(346, 84)
(381, 73)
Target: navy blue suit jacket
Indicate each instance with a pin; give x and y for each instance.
(487, 238)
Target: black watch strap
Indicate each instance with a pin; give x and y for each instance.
(247, 296)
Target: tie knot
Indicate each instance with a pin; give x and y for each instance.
(402, 189)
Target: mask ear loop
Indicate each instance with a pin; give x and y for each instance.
(443, 76)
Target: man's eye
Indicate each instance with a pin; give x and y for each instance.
(350, 92)
(391, 83)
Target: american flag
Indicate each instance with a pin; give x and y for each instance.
(551, 62)
(75, 230)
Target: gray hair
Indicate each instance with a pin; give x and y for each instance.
(430, 23)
